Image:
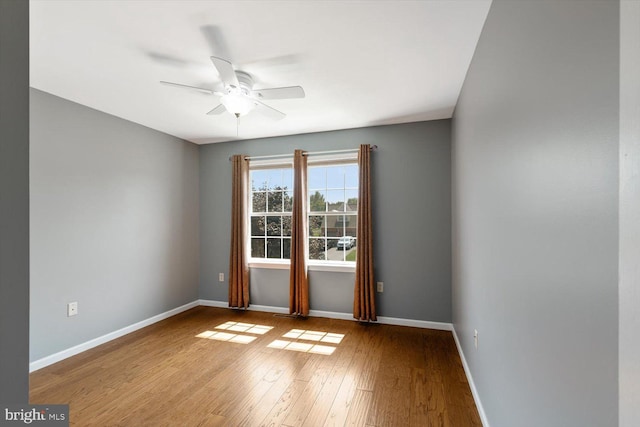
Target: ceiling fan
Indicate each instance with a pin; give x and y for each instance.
(238, 96)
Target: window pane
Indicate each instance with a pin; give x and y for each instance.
(259, 202)
(346, 244)
(335, 200)
(257, 248)
(286, 226)
(287, 179)
(352, 200)
(257, 226)
(316, 228)
(259, 180)
(288, 201)
(275, 179)
(335, 177)
(332, 212)
(317, 249)
(286, 248)
(333, 225)
(351, 225)
(316, 178)
(274, 227)
(334, 253)
(275, 201)
(351, 176)
(273, 248)
(317, 201)
(351, 255)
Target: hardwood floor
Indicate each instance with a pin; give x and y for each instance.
(167, 375)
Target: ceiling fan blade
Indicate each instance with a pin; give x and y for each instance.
(227, 73)
(168, 59)
(280, 92)
(218, 110)
(215, 39)
(269, 111)
(201, 89)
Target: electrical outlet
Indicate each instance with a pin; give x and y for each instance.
(475, 338)
(220, 277)
(380, 286)
(72, 309)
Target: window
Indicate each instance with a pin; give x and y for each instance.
(270, 212)
(332, 210)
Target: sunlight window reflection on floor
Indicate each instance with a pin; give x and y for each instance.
(250, 328)
(235, 332)
(302, 347)
(321, 336)
(226, 336)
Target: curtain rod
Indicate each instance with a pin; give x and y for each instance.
(308, 153)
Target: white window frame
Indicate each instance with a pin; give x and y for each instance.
(331, 160)
(284, 264)
(265, 164)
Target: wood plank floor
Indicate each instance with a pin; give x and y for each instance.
(263, 370)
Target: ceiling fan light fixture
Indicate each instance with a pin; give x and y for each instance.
(237, 103)
(238, 96)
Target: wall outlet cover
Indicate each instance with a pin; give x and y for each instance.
(72, 309)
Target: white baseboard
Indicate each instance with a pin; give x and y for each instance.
(224, 304)
(331, 314)
(212, 303)
(474, 391)
(415, 323)
(61, 355)
(269, 309)
(343, 316)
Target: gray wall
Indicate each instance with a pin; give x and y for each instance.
(629, 369)
(411, 212)
(535, 217)
(114, 223)
(14, 201)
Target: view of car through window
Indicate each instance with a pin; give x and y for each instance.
(346, 242)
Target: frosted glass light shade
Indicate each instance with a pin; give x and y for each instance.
(237, 104)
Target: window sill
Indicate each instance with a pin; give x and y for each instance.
(332, 266)
(312, 266)
(272, 265)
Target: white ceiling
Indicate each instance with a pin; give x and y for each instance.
(361, 63)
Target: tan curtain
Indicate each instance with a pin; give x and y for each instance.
(238, 266)
(364, 298)
(298, 280)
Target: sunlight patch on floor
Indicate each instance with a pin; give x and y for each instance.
(302, 347)
(235, 332)
(226, 336)
(327, 337)
(250, 328)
